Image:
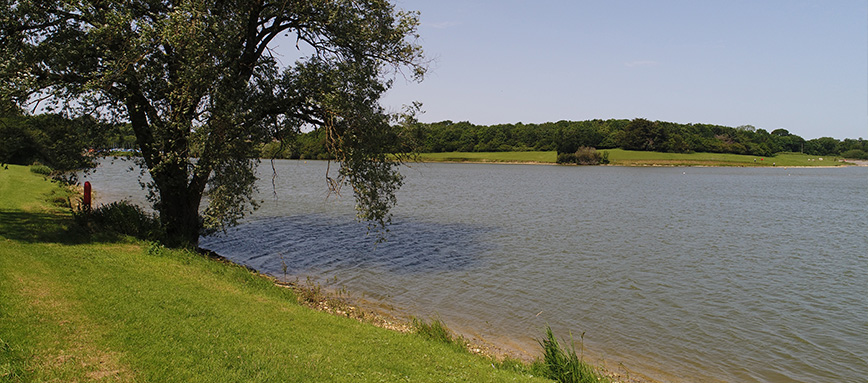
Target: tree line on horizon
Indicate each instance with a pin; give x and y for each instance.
(60, 142)
(568, 137)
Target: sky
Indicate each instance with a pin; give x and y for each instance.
(792, 64)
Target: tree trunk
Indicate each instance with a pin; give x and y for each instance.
(179, 197)
(179, 215)
(178, 205)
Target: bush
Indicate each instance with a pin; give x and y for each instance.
(566, 158)
(584, 156)
(855, 154)
(40, 169)
(120, 217)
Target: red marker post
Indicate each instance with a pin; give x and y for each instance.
(86, 199)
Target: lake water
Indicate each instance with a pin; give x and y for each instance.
(679, 274)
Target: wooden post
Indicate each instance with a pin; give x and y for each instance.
(86, 199)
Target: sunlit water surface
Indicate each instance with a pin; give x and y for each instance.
(680, 274)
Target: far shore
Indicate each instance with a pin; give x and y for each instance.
(648, 165)
(620, 157)
(857, 162)
(627, 158)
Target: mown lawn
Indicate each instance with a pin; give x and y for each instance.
(74, 308)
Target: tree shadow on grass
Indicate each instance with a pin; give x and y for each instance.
(46, 227)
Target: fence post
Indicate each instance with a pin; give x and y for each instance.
(86, 199)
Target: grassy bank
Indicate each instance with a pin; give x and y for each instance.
(622, 157)
(75, 307)
(637, 158)
(504, 157)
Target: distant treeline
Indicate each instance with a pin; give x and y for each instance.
(570, 136)
(637, 134)
(63, 143)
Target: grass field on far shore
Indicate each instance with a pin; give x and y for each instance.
(637, 158)
(620, 157)
(505, 157)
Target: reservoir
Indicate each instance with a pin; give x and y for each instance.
(678, 274)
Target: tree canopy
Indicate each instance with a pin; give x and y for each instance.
(50, 139)
(199, 84)
(637, 134)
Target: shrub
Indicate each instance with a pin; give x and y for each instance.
(855, 154)
(564, 365)
(120, 217)
(590, 156)
(40, 169)
(584, 156)
(566, 158)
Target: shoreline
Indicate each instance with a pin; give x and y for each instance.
(628, 158)
(846, 164)
(631, 158)
(842, 163)
(343, 303)
(385, 315)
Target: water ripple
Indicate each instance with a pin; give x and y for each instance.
(323, 244)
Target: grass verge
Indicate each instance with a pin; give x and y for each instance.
(75, 307)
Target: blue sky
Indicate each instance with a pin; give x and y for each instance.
(797, 65)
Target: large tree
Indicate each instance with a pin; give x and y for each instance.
(200, 84)
(641, 134)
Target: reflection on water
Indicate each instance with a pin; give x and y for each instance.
(686, 274)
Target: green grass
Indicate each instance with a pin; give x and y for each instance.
(73, 308)
(522, 157)
(437, 331)
(622, 157)
(564, 365)
(638, 158)
(40, 169)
